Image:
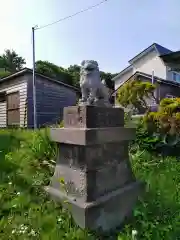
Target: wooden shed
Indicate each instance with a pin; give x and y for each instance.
(16, 99)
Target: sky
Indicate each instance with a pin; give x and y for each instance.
(111, 34)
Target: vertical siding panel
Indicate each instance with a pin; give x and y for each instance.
(10, 86)
(51, 98)
(30, 120)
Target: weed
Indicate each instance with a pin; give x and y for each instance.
(26, 165)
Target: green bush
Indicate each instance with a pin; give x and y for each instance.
(135, 93)
(61, 125)
(160, 131)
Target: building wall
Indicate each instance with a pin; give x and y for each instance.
(119, 81)
(147, 64)
(10, 86)
(168, 90)
(162, 91)
(151, 62)
(51, 98)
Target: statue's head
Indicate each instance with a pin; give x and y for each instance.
(89, 66)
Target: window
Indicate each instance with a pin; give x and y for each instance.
(13, 111)
(176, 76)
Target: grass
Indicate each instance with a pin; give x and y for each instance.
(26, 164)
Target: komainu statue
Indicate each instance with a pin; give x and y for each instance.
(94, 91)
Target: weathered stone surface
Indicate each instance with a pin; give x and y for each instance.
(90, 157)
(91, 184)
(93, 117)
(75, 184)
(107, 212)
(94, 165)
(91, 136)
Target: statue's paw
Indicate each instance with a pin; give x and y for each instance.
(96, 99)
(82, 100)
(90, 102)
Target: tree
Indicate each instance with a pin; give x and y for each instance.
(70, 76)
(108, 79)
(74, 71)
(11, 61)
(135, 93)
(2, 63)
(4, 73)
(53, 71)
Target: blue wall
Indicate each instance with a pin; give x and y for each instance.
(51, 98)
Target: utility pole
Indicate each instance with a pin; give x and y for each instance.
(34, 79)
(33, 52)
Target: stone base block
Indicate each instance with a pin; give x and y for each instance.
(106, 213)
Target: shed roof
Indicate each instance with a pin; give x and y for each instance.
(28, 70)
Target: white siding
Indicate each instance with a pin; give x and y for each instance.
(151, 62)
(147, 64)
(2, 114)
(10, 86)
(119, 81)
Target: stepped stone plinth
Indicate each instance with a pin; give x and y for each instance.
(93, 162)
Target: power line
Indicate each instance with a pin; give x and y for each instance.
(70, 16)
(33, 49)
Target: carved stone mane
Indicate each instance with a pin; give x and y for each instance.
(94, 92)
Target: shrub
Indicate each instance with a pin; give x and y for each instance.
(167, 119)
(135, 93)
(61, 125)
(160, 131)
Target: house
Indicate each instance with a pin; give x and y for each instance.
(16, 99)
(158, 64)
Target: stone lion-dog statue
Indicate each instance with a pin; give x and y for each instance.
(94, 91)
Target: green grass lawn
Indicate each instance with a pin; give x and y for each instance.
(26, 212)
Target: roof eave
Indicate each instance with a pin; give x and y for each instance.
(125, 70)
(163, 81)
(28, 70)
(141, 54)
(172, 57)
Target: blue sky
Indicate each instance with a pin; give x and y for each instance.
(111, 34)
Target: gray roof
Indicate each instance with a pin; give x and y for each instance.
(160, 49)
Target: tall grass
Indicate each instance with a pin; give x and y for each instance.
(27, 162)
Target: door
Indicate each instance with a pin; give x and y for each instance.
(13, 109)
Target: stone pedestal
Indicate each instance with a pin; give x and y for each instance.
(93, 161)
